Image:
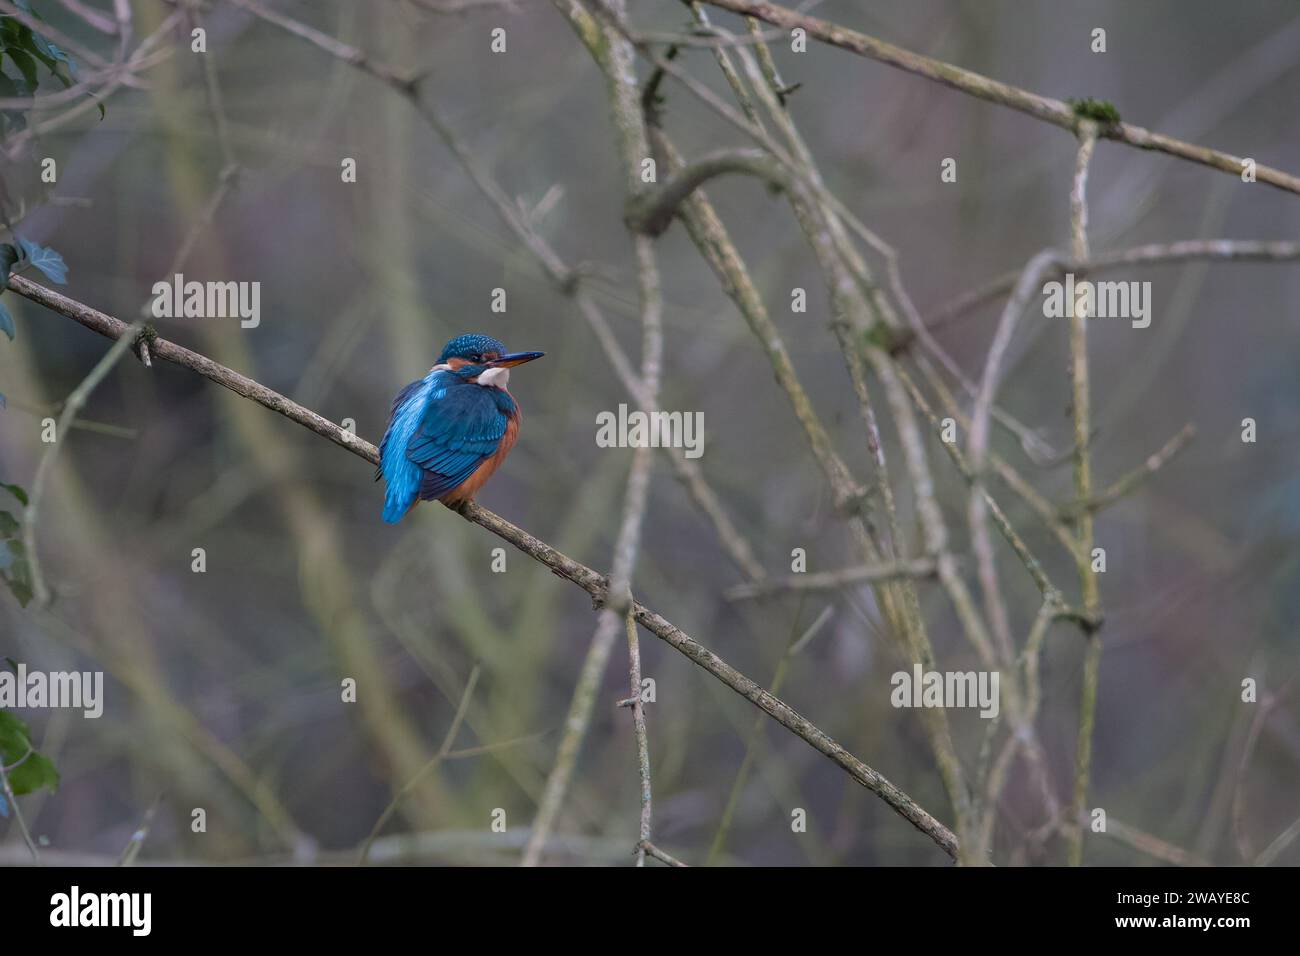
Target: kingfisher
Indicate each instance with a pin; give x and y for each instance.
(448, 432)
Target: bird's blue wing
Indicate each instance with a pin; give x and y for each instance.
(462, 426)
(405, 395)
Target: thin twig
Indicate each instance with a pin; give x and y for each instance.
(71, 406)
(1157, 253)
(642, 739)
(977, 450)
(1152, 846)
(796, 644)
(92, 17)
(443, 753)
(335, 48)
(212, 90)
(136, 843)
(1240, 834)
(12, 801)
(1080, 407)
(1126, 484)
(834, 580)
(649, 849)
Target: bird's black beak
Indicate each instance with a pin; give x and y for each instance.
(514, 358)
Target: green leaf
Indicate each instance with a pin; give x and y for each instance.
(45, 49)
(14, 120)
(55, 60)
(45, 259)
(26, 64)
(6, 321)
(25, 46)
(8, 524)
(15, 739)
(19, 578)
(16, 491)
(35, 771)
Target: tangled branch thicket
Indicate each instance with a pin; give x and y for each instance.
(926, 563)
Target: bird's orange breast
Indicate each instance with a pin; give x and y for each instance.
(471, 486)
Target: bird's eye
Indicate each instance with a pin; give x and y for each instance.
(478, 358)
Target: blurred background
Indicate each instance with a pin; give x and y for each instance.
(223, 688)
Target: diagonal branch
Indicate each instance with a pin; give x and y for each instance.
(1004, 94)
(558, 563)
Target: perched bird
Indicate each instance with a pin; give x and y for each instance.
(448, 432)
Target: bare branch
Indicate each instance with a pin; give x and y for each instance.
(335, 48)
(1152, 846)
(834, 580)
(1040, 107)
(444, 752)
(92, 17)
(1158, 253)
(642, 739)
(796, 644)
(652, 212)
(649, 849)
(1136, 477)
(1080, 407)
(12, 801)
(977, 449)
(558, 563)
(74, 404)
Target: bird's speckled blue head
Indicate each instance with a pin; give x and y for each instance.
(474, 348)
(472, 354)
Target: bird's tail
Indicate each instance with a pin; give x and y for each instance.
(396, 505)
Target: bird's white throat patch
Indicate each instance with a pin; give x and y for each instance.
(497, 377)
